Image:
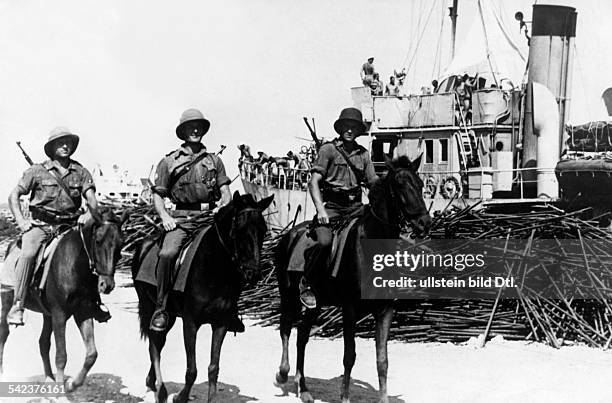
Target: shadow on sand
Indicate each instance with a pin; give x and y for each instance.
(199, 392)
(98, 388)
(328, 390)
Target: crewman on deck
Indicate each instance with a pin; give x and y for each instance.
(193, 180)
(56, 189)
(340, 171)
(367, 72)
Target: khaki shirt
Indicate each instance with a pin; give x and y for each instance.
(46, 193)
(196, 185)
(336, 172)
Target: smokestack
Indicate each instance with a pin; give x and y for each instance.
(550, 63)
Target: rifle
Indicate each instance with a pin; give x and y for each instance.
(25, 155)
(223, 147)
(313, 134)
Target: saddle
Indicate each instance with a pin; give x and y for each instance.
(148, 260)
(340, 231)
(43, 261)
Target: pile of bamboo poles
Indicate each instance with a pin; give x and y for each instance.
(555, 319)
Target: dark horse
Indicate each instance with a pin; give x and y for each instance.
(228, 256)
(395, 200)
(70, 291)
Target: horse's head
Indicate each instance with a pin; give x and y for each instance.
(106, 245)
(405, 189)
(247, 231)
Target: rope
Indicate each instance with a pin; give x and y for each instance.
(420, 38)
(487, 43)
(438, 55)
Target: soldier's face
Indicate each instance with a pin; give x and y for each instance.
(63, 148)
(350, 131)
(194, 132)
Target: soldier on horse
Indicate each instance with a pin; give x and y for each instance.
(340, 171)
(56, 189)
(194, 180)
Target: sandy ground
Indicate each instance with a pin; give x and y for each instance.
(501, 372)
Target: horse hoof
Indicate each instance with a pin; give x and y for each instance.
(306, 397)
(281, 379)
(69, 385)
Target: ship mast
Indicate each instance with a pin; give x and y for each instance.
(453, 17)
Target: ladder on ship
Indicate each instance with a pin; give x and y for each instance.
(466, 140)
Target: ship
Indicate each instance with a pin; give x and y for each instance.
(503, 147)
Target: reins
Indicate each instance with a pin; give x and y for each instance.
(92, 264)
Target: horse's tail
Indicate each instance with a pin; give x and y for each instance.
(145, 304)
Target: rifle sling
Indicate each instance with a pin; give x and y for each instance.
(182, 170)
(62, 185)
(359, 174)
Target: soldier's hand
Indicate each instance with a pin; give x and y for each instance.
(84, 218)
(24, 224)
(323, 218)
(169, 223)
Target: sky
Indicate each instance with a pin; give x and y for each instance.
(119, 73)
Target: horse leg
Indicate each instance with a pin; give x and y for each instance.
(190, 332)
(6, 296)
(156, 344)
(383, 324)
(348, 335)
(86, 328)
(59, 331)
(44, 345)
(215, 354)
(286, 321)
(302, 340)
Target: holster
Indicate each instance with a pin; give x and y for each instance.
(342, 197)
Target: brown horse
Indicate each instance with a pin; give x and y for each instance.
(228, 255)
(70, 290)
(395, 200)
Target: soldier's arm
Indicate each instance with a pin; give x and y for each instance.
(15, 207)
(160, 190)
(226, 196)
(168, 222)
(317, 198)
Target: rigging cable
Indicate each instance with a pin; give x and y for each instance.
(438, 55)
(488, 50)
(584, 82)
(420, 37)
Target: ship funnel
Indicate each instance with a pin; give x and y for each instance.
(607, 98)
(545, 128)
(550, 64)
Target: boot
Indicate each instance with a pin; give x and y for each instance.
(159, 320)
(307, 296)
(235, 324)
(23, 276)
(101, 312)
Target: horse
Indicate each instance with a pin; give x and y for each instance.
(395, 200)
(228, 256)
(70, 290)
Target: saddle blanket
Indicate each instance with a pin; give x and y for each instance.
(43, 262)
(304, 242)
(148, 263)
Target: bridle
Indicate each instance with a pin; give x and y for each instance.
(232, 252)
(403, 215)
(92, 263)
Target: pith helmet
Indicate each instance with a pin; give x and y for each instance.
(191, 115)
(58, 133)
(349, 115)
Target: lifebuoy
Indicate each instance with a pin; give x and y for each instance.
(430, 187)
(450, 188)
